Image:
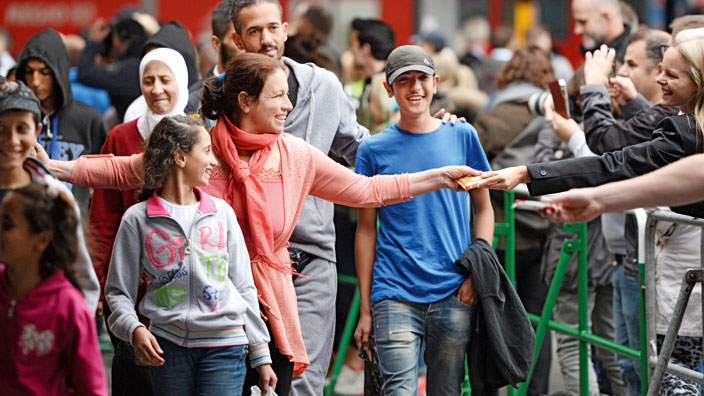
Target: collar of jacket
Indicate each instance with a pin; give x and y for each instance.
(156, 208)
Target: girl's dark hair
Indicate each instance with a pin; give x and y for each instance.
(245, 73)
(59, 216)
(170, 134)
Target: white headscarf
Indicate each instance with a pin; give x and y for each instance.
(175, 62)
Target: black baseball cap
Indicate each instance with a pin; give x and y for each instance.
(15, 95)
(408, 58)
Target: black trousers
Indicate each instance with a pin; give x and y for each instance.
(128, 378)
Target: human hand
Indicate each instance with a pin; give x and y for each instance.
(146, 349)
(466, 294)
(98, 30)
(450, 174)
(445, 116)
(598, 65)
(564, 127)
(624, 89)
(99, 310)
(505, 179)
(37, 151)
(267, 378)
(574, 206)
(363, 331)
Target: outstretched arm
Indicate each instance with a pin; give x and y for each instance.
(97, 171)
(679, 183)
(336, 183)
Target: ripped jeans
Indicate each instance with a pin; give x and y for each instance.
(400, 327)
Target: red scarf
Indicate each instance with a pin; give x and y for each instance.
(251, 205)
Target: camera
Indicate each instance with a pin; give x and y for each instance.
(537, 101)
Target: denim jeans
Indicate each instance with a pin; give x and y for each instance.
(199, 371)
(445, 328)
(627, 326)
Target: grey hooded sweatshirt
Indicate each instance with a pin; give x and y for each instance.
(201, 292)
(325, 118)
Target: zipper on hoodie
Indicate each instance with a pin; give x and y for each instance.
(187, 252)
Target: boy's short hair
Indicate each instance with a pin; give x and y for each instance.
(408, 58)
(15, 95)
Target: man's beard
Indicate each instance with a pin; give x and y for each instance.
(224, 56)
(592, 43)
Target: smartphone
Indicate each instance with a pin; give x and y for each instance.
(469, 182)
(535, 206)
(614, 69)
(558, 90)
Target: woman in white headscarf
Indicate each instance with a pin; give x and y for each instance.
(164, 80)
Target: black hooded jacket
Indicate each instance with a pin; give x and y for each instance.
(173, 35)
(120, 79)
(75, 128)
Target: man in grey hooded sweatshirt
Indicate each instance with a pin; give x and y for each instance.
(324, 117)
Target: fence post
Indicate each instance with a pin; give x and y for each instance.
(641, 220)
(569, 246)
(583, 298)
(510, 252)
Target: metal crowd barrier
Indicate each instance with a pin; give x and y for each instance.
(652, 365)
(581, 333)
(659, 364)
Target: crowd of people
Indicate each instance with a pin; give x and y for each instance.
(205, 231)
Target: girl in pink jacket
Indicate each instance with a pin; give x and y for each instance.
(49, 342)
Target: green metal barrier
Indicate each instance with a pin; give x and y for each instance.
(570, 247)
(544, 323)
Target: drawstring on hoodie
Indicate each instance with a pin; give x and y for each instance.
(311, 116)
(53, 134)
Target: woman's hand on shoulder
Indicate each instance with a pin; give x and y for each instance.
(38, 152)
(446, 116)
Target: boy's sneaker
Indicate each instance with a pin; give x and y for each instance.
(350, 382)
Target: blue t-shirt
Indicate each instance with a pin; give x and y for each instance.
(419, 240)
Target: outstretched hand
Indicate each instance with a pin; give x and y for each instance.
(574, 206)
(450, 174)
(505, 179)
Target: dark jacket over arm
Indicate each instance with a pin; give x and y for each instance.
(604, 133)
(677, 137)
(503, 342)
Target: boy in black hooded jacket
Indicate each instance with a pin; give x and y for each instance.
(70, 128)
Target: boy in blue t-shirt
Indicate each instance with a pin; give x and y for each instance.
(416, 292)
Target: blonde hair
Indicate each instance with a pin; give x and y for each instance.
(690, 44)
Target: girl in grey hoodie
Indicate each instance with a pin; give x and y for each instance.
(201, 299)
